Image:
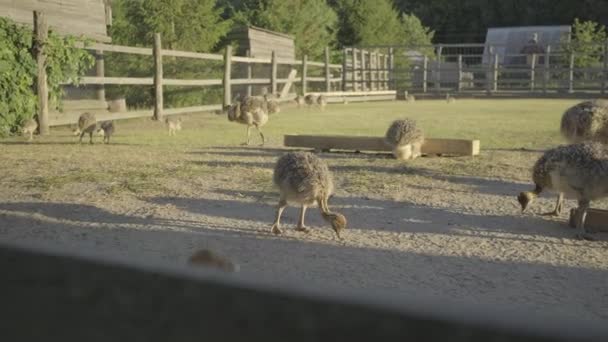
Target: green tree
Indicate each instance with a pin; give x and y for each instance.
(311, 22)
(368, 22)
(587, 43)
(414, 33)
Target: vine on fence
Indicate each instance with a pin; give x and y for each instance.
(18, 72)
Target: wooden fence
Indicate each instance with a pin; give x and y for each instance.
(327, 82)
(479, 68)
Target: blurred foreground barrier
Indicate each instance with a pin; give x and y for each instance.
(47, 297)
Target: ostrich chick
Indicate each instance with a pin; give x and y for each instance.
(585, 121)
(579, 171)
(404, 133)
(87, 123)
(107, 129)
(174, 125)
(310, 100)
(304, 178)
(251, 111)
(29, 127)
(322, 102)
(300, 101)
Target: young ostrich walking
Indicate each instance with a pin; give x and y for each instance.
(251, 111)
(304, 178)
(579, 171)
(585, 121)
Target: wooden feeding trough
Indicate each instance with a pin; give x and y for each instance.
(430, 146)
(596, 220)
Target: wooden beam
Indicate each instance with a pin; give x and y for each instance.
(425, 73)
(354, 70)
(571, 74)
(459, 85)
(273, 73)
(195, 55)
(227, 75)
(158, 78)
(249, 74)
(327, 72)
(290, 79)
(344, 55)
(100, 72)
(596, 220)
(41, 29)
(430, 146)
(532, 72)
(605, 68)
(546, 68)
(355, 93)
(304, 74)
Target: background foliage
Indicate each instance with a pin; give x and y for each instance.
(18, 72)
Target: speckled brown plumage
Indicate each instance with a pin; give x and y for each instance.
(586, 121)
(29, 127)
(251, 111)
(87, 123)
(403, 132)
(310, 99)
(579, 171)
(322, 101)
(405, 138)
(108, 129)
(305, 179)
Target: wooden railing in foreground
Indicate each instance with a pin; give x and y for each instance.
(159, 81)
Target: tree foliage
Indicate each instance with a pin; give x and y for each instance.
(311, 22)
(368, 22)
(587, 43)
(18, 71)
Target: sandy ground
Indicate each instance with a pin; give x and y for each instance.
(446, 236)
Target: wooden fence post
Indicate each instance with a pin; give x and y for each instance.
(100, 72)
(391, 69)
(605, 73)
(532, 72)
(249, 75)
(327, 72)
(374, 72)
(304, 74)
(495, 73)
(158, 78)
(344, 55)
(384, 73)
(41, 29)
(459, 86)
(363, 70)
(425, 70)
(489, 73)
(546, 66)
(438, 69)
(273, 74)
(227, 75)
(571, 74)
(354, 70)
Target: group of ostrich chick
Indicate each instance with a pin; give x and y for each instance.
(577, 170)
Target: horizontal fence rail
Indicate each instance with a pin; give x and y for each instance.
(580, 69)
(324, 73)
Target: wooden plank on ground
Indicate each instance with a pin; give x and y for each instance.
(430, 146)
(290, 79)
(596, 220)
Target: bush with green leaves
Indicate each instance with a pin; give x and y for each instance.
(18, 72)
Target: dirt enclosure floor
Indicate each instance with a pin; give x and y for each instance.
(441, 227)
